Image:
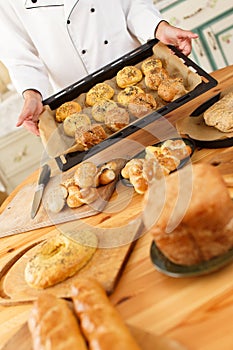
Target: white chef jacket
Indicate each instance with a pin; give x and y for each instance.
(49, 44)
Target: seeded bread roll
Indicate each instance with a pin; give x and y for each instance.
(126, 95)
(67, 109)
(98, 92)
(128, 76)
(72, 122)
(53, 325)
(100, 322)
(116, 119)
(101, 109)
(171, 89)
(154, 77)
(150, 63)
(89, 136)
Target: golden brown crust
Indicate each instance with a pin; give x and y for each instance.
(150, 63)
(127, 76)
(67, 109)
(90, 136)
(99, 320)
(52, 322)
(142, 104)
(126, 95)
(206, 228)
(154, 77)
(171, 89)
(98, 92)
(58, 258)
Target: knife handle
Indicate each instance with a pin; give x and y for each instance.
(44, 175)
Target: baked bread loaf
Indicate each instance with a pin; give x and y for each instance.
(220, 114)
(205, 229)
(53, 325)
(116, 119)
(126, 95)
(154, 77)
(101, 108)
(171, 89)
(58, 258)
(89, 136)
(66, 109)
(98, 92)
(150, 63)
(100, 322)
(72, 122)
(127, 76)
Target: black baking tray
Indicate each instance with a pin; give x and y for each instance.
(109, 71)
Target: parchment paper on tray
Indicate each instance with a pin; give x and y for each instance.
(52, 134)
(196, 128)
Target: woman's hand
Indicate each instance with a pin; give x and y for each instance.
(169, 35)
(31, 111)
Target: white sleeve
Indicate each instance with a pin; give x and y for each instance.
(142, 18)
(19, 55)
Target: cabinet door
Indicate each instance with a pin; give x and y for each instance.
(218, 38)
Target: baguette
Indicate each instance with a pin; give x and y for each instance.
(100, 322)
(53, 326)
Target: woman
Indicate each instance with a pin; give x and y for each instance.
(49, 44)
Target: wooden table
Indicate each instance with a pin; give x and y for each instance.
(195, 311)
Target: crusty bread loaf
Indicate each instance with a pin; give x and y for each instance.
(220, 114)
(53, 326)
(58, 258)
(205, 229)
(100, 322)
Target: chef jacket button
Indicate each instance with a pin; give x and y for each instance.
(83, 52)
(34, 1)
(92, 9)
(105, 42)
(68, 21)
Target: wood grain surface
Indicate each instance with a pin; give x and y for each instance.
(197, 312)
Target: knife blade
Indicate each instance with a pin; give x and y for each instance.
(42, 182)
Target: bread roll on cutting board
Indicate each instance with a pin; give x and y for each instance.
(100, 322)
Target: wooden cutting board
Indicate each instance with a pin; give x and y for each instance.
(146, 340)
(105, 266)
(16, 217)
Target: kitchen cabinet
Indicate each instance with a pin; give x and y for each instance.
(212, 20)
(21, 154)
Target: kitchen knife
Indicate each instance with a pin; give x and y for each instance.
(42, 182)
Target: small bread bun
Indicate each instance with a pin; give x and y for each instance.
(150, 63)
(106, 176)
(66, 109)
(128, 76)
(90, 136)
(73, 199)
(101, 108)
(116, 119)
(98, 92)
(72, 122)
(126, 95)
(171, 89)
(154, 77)
(85, 174)
(142, 104)
(88, 195)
